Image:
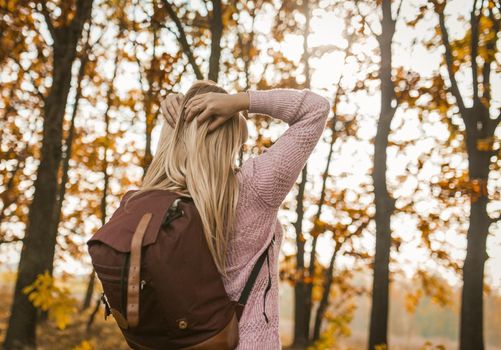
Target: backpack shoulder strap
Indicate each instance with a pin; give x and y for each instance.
(252, 280)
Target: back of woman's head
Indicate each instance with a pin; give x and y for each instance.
(195, 163)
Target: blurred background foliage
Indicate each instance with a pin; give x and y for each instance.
(392, 234)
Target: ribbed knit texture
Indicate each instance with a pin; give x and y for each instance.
(265, 181)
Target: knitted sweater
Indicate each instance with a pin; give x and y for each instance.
(264, 182)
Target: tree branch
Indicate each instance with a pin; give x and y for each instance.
(365, 20)
(474, 48)
(496, 219)
(12, 240)
(37, 91)
(216, 27)
(48, 20)
(492, 51)
(183, 39)
(397, 16)
(449, 62)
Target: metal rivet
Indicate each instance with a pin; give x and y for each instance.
(182, 324)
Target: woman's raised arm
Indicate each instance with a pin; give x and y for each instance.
(273, 173)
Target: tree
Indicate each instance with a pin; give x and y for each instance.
(385, 204)
(39, 243)
(480, 126)
(21, 90)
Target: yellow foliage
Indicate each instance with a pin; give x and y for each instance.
(485, 145)
(412, 300)
(429, 346)
(338, 325)
(85, 345)
(57, 301)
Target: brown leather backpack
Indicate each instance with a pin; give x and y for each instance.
(159, 279)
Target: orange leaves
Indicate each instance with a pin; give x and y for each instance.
(478, 188)
(290, 274)
(434, 287)
(84, 345)
(425, 226)
(439, 5)
(451, 184)
(419, 17)
(486, 145)
(429, 346)
(412, 300)
(227, 17)
(319, 227)
(59, 303)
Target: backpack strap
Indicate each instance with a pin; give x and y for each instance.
(252, 280)
(134, 271)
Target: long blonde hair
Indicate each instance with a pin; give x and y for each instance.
(195, 164)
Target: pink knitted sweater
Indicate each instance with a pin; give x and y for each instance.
(265, 181)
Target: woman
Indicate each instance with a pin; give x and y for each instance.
(238, 207)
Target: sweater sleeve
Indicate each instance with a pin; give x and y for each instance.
(273, 173)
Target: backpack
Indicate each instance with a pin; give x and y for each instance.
(159, 279)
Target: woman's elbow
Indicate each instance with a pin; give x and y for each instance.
(321, 104)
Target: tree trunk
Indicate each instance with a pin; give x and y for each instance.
(471, 332)
(216, 25)
(39, 242)
(301, 312)
(68, 148)
(324, 302)
(478, 126)
(384, 203)
(92, 316)
(89, 292)
(300, 336)
(309, 292)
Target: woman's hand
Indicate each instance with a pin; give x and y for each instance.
(171, 108)
(216, 105)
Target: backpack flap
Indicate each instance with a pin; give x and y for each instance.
(118, 231)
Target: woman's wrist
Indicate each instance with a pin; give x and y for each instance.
(241, 101)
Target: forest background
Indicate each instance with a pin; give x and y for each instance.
(392, 231)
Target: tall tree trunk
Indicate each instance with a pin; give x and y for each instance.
(110, 96)
(149, 97)
(66, 157)
(478, 126)
(89, 291)
(471, 332)
(181, 37)
(39, 241)
(309, 292)
(300, 336)
(216, 25)
(384, 203)
(301, 313)
(324, 302)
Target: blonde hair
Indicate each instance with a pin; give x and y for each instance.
(195, 164)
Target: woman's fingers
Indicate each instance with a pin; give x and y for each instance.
(190, 111)
(177, 101)
(171, 107)
(169, 112)
(165, 112)
(203, 116)
(194, 100)
(216, 123)
(172, 114)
